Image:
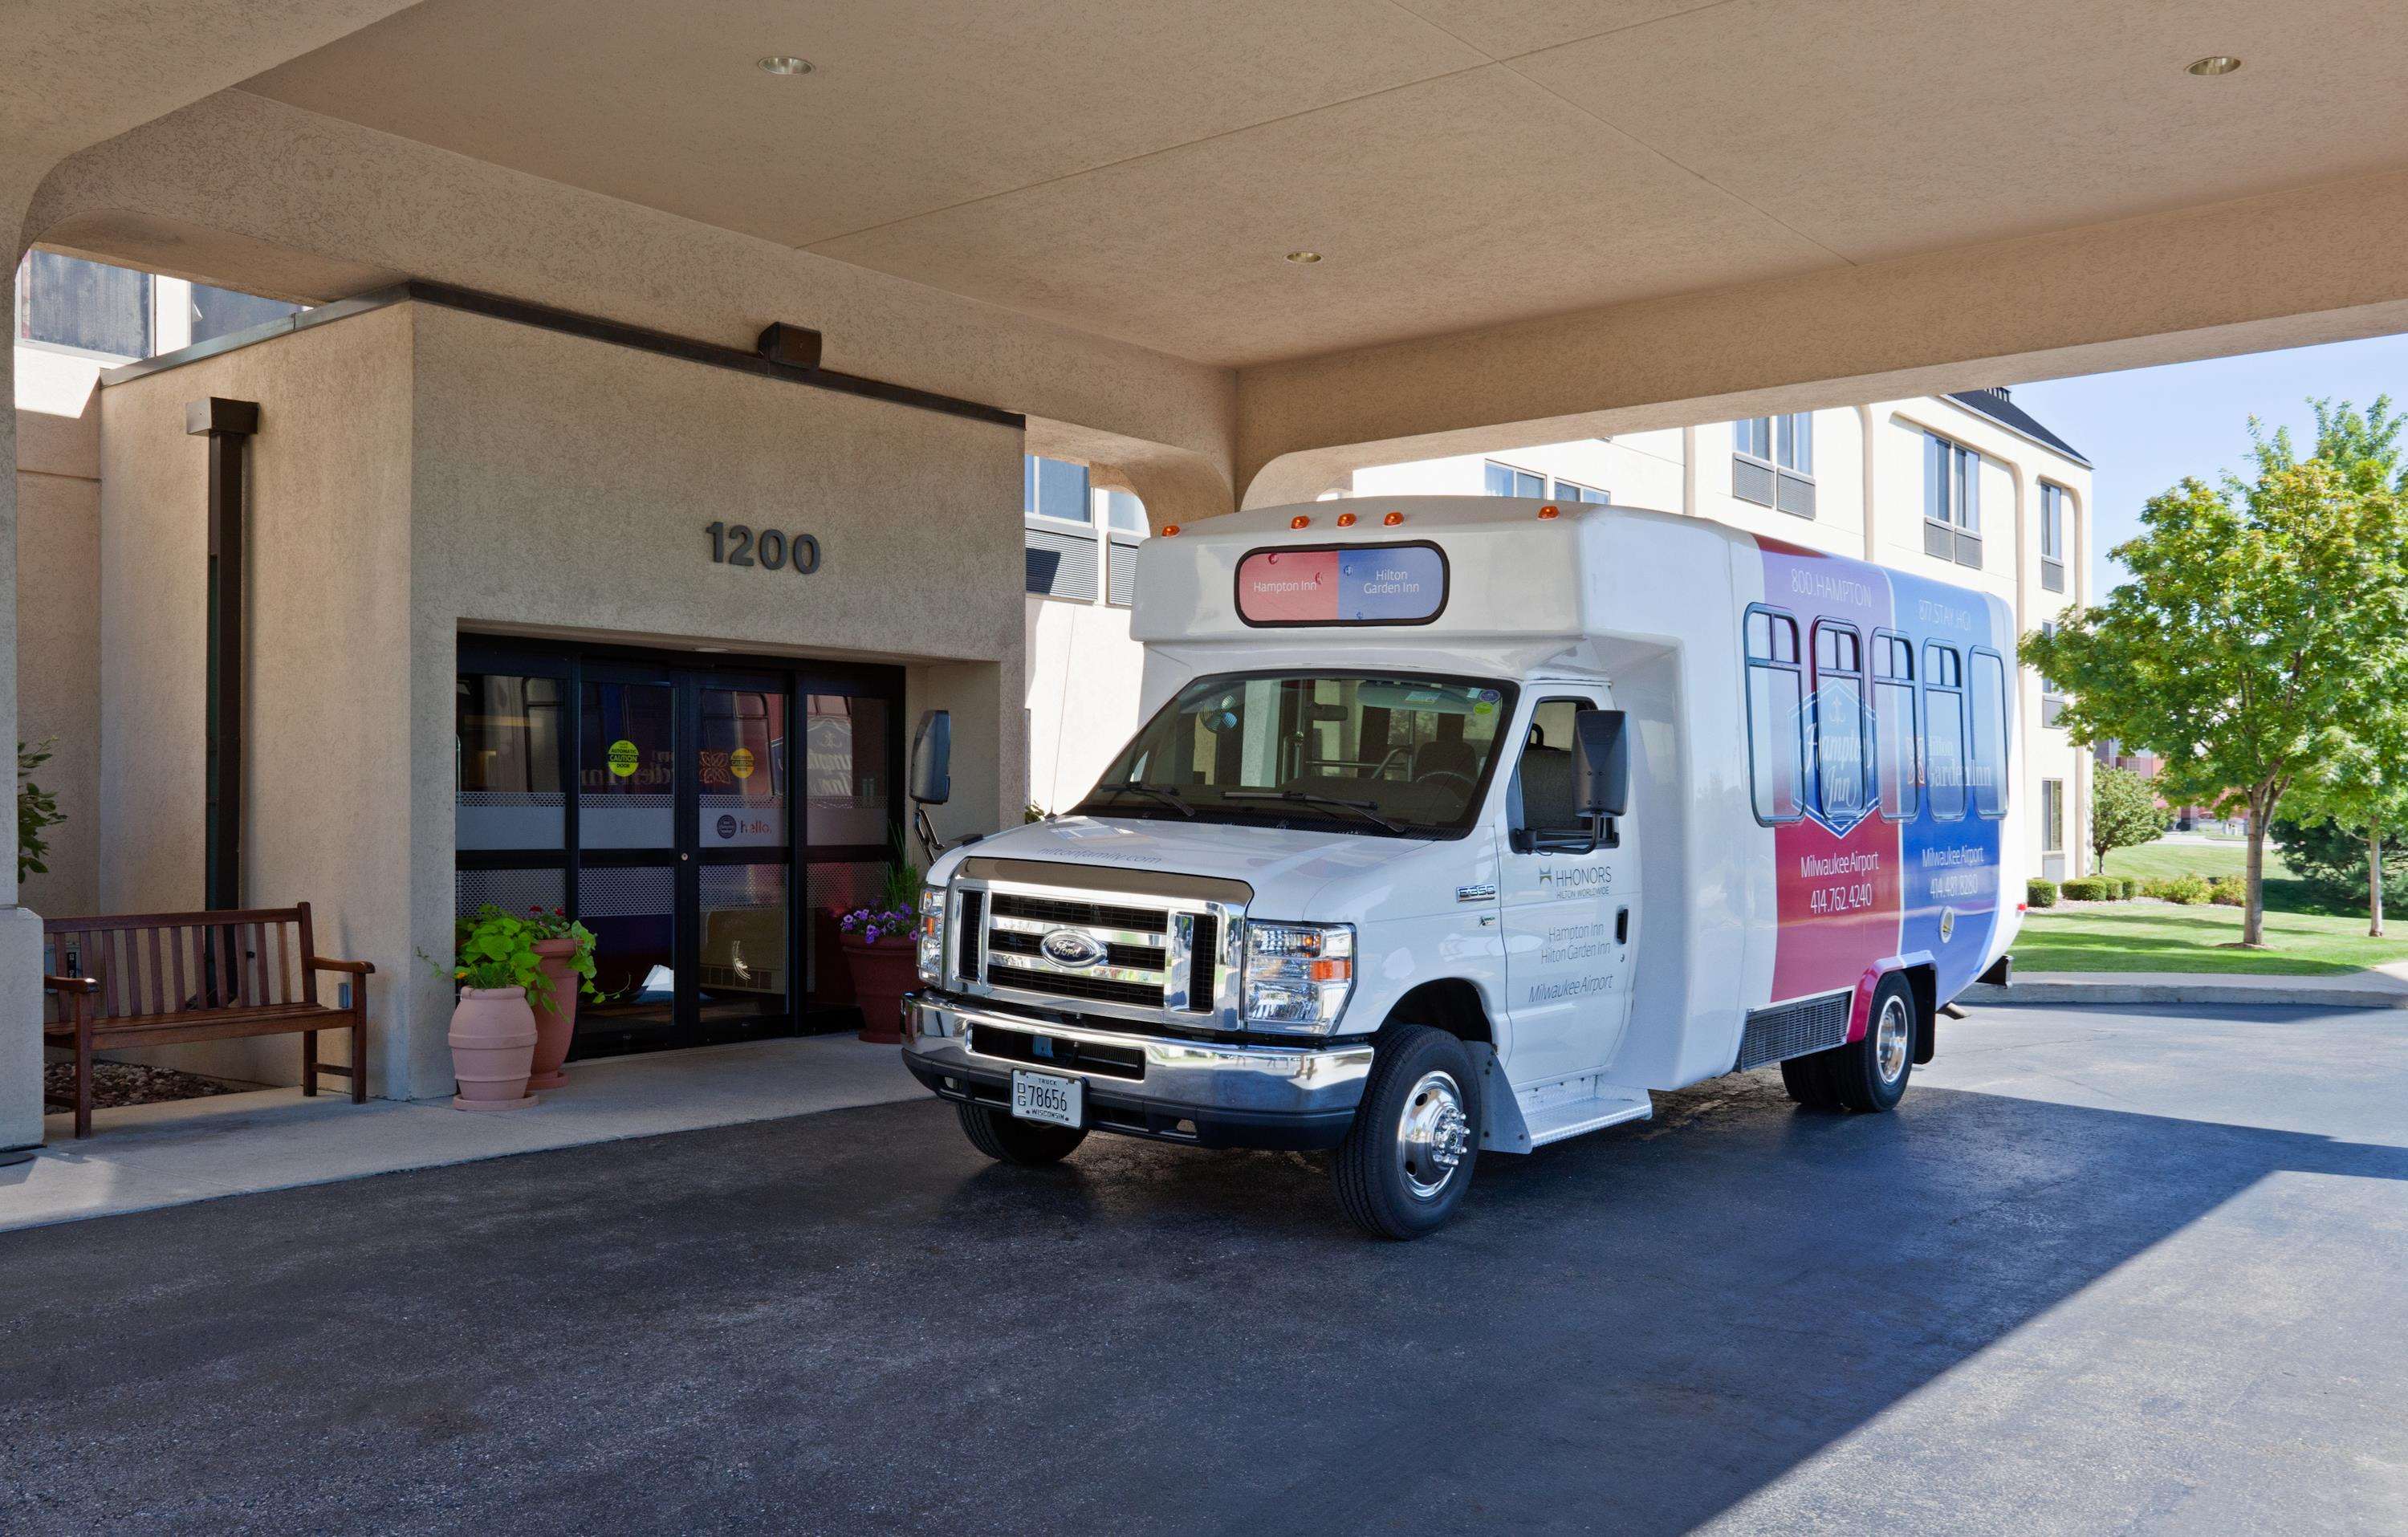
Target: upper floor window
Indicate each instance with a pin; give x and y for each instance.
(2051, 698)
(1952, 501)
(1568, 491)
(1505, 480)
(119, 312)
(88, 306)
(1053, 488)
(1772, 462)
(2053, 501)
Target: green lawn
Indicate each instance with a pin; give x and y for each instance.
(2158, 861)
(2307, 937)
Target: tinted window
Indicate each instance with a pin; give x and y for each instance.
(1944, 744)
(1986, 712)
(1841, 758)
(1895, 756)
(1776, 704)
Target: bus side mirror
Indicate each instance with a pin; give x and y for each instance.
(1600, 762)
(932, 759)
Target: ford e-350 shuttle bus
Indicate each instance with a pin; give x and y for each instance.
(1463, 823)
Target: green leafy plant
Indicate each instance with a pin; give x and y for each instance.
(497, 950)
(2092, 888)
(2261, 619)
(903, 877)
(2180, 890)
(556, 923)
(2123, 811)
(36, 809)
(2039, 893)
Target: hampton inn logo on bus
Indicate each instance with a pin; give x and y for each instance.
(623, 758)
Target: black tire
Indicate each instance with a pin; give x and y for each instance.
(1866, 1074)
(1808, 1079)
(1007, 1138)
(1413, 1067)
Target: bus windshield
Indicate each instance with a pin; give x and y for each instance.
(1379, 753)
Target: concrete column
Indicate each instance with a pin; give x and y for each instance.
(1870, 443)
(21, 930)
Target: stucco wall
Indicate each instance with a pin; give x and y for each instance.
(563, 486)
(420, 472)
(327, 758)
(58, 649)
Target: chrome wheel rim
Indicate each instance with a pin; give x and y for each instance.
(1893, 1039)
(1433, 1134)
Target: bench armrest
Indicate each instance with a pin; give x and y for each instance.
(71, 985)
(357, 968)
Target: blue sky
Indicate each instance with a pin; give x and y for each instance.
(2146, 429)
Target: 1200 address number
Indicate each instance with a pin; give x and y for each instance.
(737, 544)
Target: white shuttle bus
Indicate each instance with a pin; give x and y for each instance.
(1464, 824)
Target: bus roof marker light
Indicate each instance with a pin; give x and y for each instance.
(1346, 520)
(1169, 530)
(1392, 520)
(1549, 511)
(1300, 521)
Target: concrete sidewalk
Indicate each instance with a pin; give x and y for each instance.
(164, 1154)
(2383, 986)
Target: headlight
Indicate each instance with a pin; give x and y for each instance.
(1297, 975)
(932, 935)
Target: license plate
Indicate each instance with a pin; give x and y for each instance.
(1045, 1097)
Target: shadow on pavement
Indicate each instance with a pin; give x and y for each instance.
(852, 1321)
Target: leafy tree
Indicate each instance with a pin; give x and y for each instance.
(2333, 860)
(36, 809)
(2258, 617)
(2360, 785)
(2124, 813)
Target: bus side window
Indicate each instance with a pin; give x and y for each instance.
(1776, 702)
(1943, 719)
(1985, 710)
(1896, 751)
(1840, 762)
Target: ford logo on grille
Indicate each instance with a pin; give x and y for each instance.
(1069, 947)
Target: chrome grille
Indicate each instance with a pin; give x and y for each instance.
(1144, 953)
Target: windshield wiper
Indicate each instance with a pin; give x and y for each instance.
(1313, 797)
(1167, 797)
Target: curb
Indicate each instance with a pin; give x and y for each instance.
(2277, 991)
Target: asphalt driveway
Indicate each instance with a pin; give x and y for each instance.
(2103, 1271)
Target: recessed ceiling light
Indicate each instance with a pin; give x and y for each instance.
(786, 63)
(2214, 63)
(1304, 258)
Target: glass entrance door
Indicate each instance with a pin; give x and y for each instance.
(697, 819)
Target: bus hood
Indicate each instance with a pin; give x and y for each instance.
(1290, 870)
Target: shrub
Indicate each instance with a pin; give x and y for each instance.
(2092, 888)
(2039, 893)
(2132, 886)
(2230, 894)
(2183, 890)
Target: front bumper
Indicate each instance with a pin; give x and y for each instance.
(1200, 1092)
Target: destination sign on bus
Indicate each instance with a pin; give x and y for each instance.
(1342, 584)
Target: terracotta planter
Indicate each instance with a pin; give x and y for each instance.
(555, 1021)
(493, 1047)
(881, 975)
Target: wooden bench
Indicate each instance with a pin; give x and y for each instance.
(160, 979)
